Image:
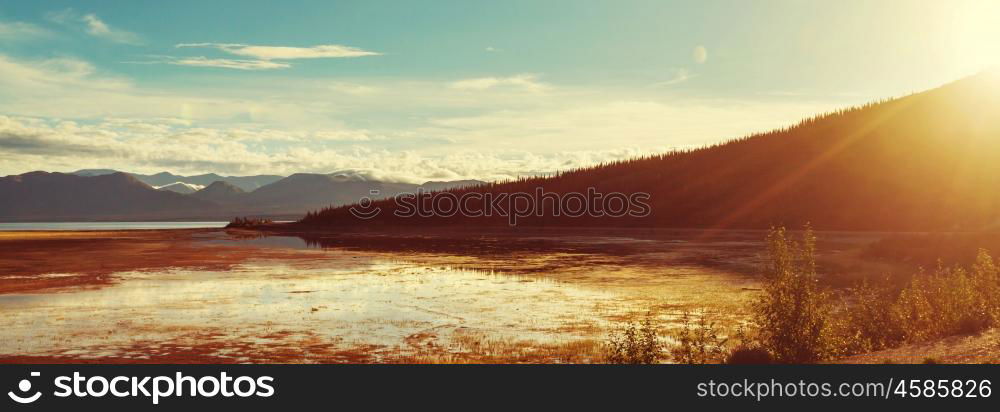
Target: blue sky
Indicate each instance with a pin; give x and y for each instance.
(447, 89)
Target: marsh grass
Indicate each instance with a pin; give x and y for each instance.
(481, 349)
(636, 343)
(699, 341)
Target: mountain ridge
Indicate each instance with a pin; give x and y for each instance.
(246, 183)
(64, 196)
(40, 196)
(926, 161)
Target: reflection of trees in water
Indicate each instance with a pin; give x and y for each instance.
(246, 235)
(315, 243)
(478, 246)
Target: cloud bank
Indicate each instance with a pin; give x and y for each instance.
(526, 82)
(264, 57)
(65, 114)
(29, 144)
(324, 51)
(15, 30)
(228, 63)
(91, 24)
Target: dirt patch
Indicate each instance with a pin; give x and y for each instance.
(977, 348)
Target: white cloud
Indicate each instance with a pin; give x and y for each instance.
(23, 79)
(679, 76)
(354, 89)
(72, 88)
(526, 82)
(699, 54)
(40, 144)
(286, 52)
(15, 30)
(228, 63)
(346, 136)
(97, 27)
(648, 124)
(262, 57)
(94, 26)
(423, 129)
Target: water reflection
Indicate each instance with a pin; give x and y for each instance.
(341, 304)
(4, 226)
(260, 240)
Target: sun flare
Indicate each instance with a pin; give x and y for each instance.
(975, 35)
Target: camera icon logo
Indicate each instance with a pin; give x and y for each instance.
(365, 208)
(24, 386)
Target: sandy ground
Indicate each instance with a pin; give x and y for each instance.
(979, 348)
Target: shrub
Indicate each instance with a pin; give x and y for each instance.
(698, 342)
(747, 350)
(748, 355)
(985, 279)
(949, 301)
(635, 344)
(795, 320)
(871, 321)
(792, 315)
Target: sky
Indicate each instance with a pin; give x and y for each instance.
(439, 90)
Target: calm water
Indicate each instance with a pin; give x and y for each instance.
(314, 308)
(107, 225)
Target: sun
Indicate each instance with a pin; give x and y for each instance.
(975, 36)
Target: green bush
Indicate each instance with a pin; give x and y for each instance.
(949, 301)
(635, 344)
(795, 321)
(747, 350)
(698, 341)
(792, 315)
(748, 355)
(871, 321)
(946, 302)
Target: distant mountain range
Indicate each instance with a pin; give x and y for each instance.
(924, 162)
(63, 197)
(247, 183)
(100, 194)
(180, 187)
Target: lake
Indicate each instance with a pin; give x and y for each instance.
(107, 225)
(213, 296)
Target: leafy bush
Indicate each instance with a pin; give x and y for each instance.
(795, 321)
(946, 302)
(950, 301)
(871, 321)
(698, 342)
(985, 279)
(748, 355)
(747, 350)
(635, 344)
(793, 313)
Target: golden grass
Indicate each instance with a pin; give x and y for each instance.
(481, 349)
